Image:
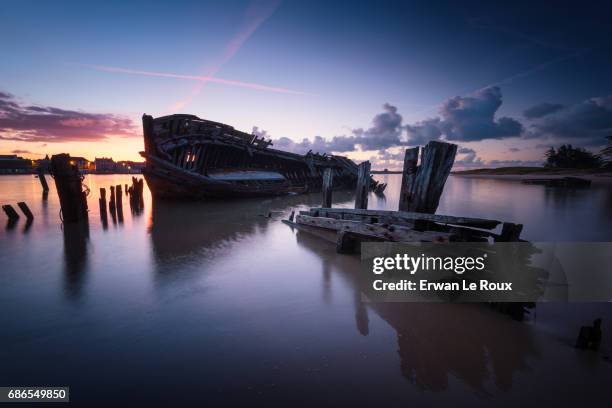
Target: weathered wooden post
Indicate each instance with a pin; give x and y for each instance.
(140, 193)
(363, 186)
(411, 158)
(119, 202)
(111, 203)
(72, 198)
(25, 210)
(102, 202)
(10, 212)
(436, 162)
(42, 179)
(328, 177)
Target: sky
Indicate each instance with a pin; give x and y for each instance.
(362, 79)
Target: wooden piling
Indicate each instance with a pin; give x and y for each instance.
(411, 158)
(69, 189)
(25, 210)
(328, 177)
(363, 186)
(436, 162)
(10, 212)
(119, 202)
(42, 179)
(111, 202)
(102, 202)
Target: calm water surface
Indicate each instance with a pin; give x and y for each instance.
(217, 302)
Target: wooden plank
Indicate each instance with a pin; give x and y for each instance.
(363, 185)
(394, 233)
(411, 158)
(443, 219)
(436, 163)
(328, 177)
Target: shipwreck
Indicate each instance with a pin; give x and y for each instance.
(192, 158)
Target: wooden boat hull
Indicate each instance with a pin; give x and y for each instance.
(191, 158)
(175, 184)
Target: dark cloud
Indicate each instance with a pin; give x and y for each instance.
(466, 119)
(50, 124)
(386, 131)
(468, 158)
(19, 151)
(514, 149)
(472, 118)
(422, 132)
(586, 123)
(541, 110)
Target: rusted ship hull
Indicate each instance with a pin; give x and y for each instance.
(191, 158)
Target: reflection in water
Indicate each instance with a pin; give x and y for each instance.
(76, 237)
(27, 225)
(199, 231)
(10, 224)
(439, 340)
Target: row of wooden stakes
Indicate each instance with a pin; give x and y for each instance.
(115, 204)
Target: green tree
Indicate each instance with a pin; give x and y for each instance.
(569, 157)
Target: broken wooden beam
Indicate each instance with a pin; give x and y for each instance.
(72, 198)
(25, 210)
(328, 177)
(386, 215)
(426, 189)
(10, 212)
(396, 233)
(411, 157)
(363, 185)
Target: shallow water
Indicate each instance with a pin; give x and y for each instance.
(217, 302)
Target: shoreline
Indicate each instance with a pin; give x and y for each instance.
(596, 179)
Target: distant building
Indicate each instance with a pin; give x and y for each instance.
(127, 166)
(105, 165)
(82, 163)
(11, 163)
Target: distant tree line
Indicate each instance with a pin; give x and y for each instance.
(569, 157)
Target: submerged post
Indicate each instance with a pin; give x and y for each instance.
(436, 163)
(119, 202)
(111, 203)
(25, 210)
(72, 198)
(328, 177)
(43, 180)
(102, 202)
(411, 158)
(10, 212)
(363, 186)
